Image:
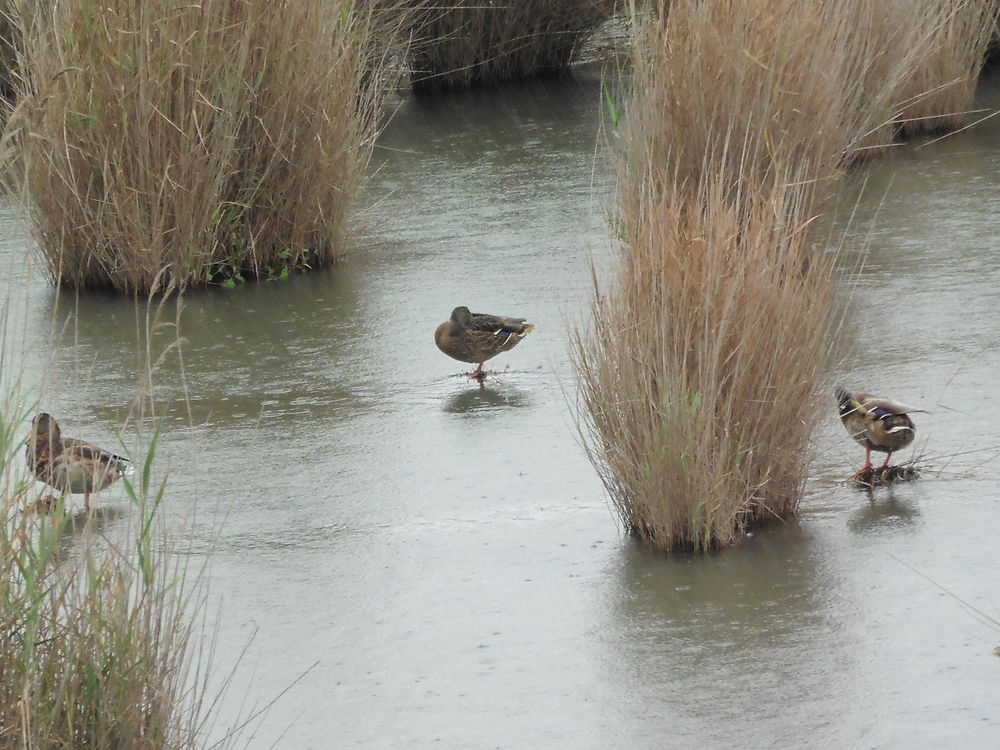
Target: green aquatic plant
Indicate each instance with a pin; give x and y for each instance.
(95, 617)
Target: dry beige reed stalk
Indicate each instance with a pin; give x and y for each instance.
(761, 87)
(939, 95)
(699, 374)
(212, 140)
(468, 43)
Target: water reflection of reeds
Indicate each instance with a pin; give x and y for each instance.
(702, 637)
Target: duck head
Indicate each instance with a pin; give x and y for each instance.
(44, 431)
(461, 316)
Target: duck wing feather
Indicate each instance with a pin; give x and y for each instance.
(495, 323)
(89, 452)
(886, 404)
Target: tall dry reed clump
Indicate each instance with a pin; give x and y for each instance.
(743, 90)
(474, 43)
(215, 140)
(701, 374)
(95, 634)
(939, 95)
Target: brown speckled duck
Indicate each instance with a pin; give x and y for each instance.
(879, 424)
(475, 338)
(70, 465)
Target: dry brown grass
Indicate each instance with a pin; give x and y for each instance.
(755, 87)
(938, 97)
(216, 140)
(474, 43)
(10, 43)
(702, 374)
(699, 375)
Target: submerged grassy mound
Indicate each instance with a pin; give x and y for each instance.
(193, 143)
(473, 43)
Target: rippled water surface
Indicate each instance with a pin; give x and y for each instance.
(438, 559)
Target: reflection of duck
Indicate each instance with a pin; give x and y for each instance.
(890, 514)
(879, 424)
(485, 399)
(475, 337)
(70, 465)
(71, 526)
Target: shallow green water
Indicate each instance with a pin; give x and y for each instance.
(443, 553)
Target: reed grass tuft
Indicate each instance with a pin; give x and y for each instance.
(468, 43)
(702, 370)
(210, 141)
(749, 90)
(699, 371)
(939, 95)
(95, 628)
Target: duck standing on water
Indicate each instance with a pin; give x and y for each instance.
(879, 424)
(475, 338)
(70, 465)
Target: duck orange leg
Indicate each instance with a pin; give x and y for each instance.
(86, 501)
(479, 373)
(866, 473)
(885, 464)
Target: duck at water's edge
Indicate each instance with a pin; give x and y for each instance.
(70, 465)
(475, 337)
(879, 424)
